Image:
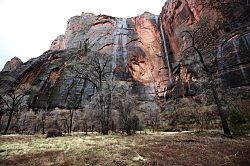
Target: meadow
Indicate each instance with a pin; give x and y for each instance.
(161, 148)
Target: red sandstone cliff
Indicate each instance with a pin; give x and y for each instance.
(134, 43)
(146, 52)
(13, 64)
(224, 32)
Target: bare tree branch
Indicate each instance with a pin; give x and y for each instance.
(5, 101)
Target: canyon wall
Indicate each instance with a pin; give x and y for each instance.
(147, 52)
(134, 45)
(222, 32)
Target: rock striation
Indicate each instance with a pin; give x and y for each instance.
(146, 52)
(134, 43)
(227, 22)
(135, 47)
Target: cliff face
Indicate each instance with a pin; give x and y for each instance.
(224, 21)
(13, 64)
(134, 44)
(219, 17)
(146, 52)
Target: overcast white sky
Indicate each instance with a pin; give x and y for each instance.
(29, 26)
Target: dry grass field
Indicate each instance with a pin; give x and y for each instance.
(141, 149)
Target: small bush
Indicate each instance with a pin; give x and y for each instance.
(54, 133)
(237, 122)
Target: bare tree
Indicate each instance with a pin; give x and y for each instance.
(128, 121)
(54, 121)
(12, 99)
(84, 120)
(2, 112)
(28, 122)
(42, 115)
(97, 70)
(43, 118)
(87, 120)
(207, 69)
(23, 122)
(90, 120)
(154, 119)
(85, 124)
(67, 118)
(71, 116)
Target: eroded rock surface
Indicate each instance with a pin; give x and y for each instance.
(13, 64)
(146, 52)
(134, 44)
(225, 21)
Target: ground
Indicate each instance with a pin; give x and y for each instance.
(162, 148)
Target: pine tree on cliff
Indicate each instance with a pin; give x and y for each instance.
(207, 69)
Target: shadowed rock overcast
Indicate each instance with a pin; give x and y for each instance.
(147, 51)
(174, 80)
(29, 26)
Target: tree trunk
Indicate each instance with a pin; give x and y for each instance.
(71, 120)
(35, 129)
(86, 128)
(66, 126)
(8, 123)
(17, 126)
(105, 132)
(104, 128)
(1, 124)
(220, 110)
(43, 126)
(92, 128)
